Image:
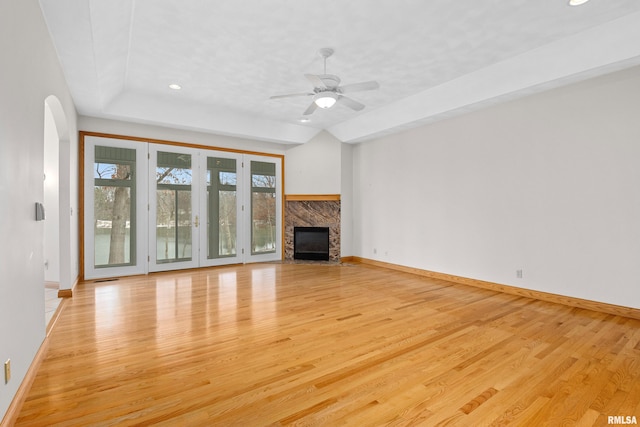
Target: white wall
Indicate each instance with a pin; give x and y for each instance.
(30, 73)
(323, 166)
(548, 184)
(314, 167)
(51, 199)
(346, 201)
(68, 202)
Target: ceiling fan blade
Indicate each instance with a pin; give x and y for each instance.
(355, 87)
(310, 109)
(315, 81)
(291, 95)
(354, 105)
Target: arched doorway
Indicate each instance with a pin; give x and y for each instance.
(57, 226)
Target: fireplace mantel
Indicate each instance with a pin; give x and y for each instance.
(311, 197)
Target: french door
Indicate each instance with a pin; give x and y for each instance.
(221, 231)
(262, 208)
(173, 208)
(115, 208)
(168, 207)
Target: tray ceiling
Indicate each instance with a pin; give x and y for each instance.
(432, 59)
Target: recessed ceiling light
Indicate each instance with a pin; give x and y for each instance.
(175, 86)
(577, 2)
(304, 120)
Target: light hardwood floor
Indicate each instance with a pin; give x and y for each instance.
(297, 344)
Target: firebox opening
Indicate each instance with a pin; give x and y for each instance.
(311, 243)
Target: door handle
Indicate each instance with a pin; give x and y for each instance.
(197, 221)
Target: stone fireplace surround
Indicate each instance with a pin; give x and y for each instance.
(313, 210)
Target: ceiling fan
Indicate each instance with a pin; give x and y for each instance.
(327, 90)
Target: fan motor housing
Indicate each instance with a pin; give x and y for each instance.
(330, 81)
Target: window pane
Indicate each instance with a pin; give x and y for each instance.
(184, 225)
(173, 168)
(114, 206)
(112, 231)
(112, 171)
(227, 178)
(263, 181)
(263, 207)
(165, 175)
(227, 223)
(221, 207)
(173, 208)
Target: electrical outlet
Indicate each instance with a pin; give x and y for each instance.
(519, 274)
(7, 371)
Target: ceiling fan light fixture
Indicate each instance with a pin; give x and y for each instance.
(325, 99)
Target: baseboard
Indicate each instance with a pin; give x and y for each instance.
(51, 285)
(13, 411)
(65, 293)
(56, 316)
(16, 404)
(539, 295)
(68, 293)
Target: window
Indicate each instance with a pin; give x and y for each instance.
(222, 215)
(114, 207)
(156, 207)
(173, 207)
(263, 207)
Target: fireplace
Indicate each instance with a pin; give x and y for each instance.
(311, 243)
(304, 210)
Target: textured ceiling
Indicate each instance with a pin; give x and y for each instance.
(432, 58)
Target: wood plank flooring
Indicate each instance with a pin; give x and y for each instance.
(297, 344)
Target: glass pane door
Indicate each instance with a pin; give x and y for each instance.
(264, 205)
(221, 207)
(114, 208)
(154, 207)
(173, 208)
